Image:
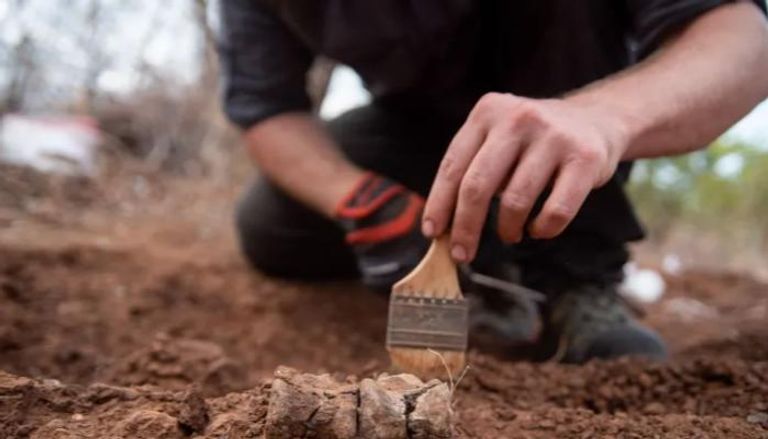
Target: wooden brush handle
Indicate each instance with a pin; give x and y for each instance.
(435, 276)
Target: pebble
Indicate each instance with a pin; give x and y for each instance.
(759, 418)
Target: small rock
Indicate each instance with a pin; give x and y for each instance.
(194, 415)
(506, 414)
(399, 383)
(432, 413)
(148, 424)
(759, 418)
(645, 380)
(101, 393)
(382, 411)
(654, 408)
(547, 424)
(288, 411)
(304, 405)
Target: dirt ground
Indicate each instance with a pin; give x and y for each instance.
(126, 311)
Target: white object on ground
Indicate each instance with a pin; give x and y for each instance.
(642, 285)
(55, 144)
(345, 92)
(671, 264)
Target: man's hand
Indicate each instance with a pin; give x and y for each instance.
(703, 79)
(381, 218)
(519, 148)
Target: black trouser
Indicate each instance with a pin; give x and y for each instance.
(281, 237)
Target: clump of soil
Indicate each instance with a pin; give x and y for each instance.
(388, 407)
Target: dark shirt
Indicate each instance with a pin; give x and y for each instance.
(447, 52)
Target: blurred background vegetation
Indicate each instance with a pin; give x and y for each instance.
(711, 206)
(146, 72)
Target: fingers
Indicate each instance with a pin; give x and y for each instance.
(481, 181)
(441, 201)
(528, 182)
(487, 147)
(572, 186)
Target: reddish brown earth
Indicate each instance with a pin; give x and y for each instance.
(128, 312)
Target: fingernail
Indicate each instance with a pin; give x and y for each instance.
(428, 228)
(459, 253)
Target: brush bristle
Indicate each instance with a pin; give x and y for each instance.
(427, 364)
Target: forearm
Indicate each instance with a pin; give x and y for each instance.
(296, 153)
(702, 81)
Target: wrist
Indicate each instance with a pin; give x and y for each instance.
(635, 121)
(620, 125)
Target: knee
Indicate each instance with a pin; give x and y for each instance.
(281, 238)
(251, 232)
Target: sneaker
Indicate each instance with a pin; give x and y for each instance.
(500, 306)
(595, 322)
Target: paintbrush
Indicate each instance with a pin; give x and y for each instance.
(428, 317)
